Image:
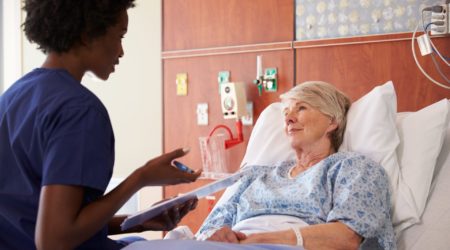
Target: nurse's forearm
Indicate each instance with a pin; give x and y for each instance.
(63, 222)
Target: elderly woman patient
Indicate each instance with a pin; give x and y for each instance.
(324, 199)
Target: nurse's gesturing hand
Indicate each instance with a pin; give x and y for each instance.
(160, 171)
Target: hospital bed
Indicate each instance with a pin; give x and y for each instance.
(415, 147)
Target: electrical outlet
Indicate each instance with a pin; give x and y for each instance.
(202, 114)
(448, 17)
(443, 17)
(247, 120)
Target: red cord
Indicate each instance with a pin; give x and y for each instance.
(231, 141)
(221, 126)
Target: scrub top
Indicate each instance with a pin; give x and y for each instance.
(53, 130)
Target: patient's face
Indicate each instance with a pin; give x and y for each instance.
(306, 126)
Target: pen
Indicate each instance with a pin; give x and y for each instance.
(183, 167)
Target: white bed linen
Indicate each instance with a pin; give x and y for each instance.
(434, 229)
(203, 245)
(268, 223)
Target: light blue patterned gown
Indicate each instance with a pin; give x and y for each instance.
(345, 187)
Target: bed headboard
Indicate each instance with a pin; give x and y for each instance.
(356, 65)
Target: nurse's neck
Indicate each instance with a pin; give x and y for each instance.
(68, 61)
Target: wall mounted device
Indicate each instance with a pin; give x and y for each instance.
(223, 77)
(267, 81)
(440, 15)
(248, 119)
(202, 114)
(233, 100)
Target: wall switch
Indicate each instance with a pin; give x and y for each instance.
(202, 114)
(247, 120)
(181, 82)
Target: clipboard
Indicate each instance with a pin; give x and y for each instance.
(144, 215)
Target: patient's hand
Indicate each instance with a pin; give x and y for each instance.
(286, 237)
(225, 234)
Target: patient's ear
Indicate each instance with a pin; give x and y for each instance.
(333, 126)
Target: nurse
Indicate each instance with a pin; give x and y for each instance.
(56, 139)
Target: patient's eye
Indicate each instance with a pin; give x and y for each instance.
(301, 108)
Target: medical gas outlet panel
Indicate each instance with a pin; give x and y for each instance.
(233, 100)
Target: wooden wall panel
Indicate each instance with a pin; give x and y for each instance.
(180, 127)
(203, 37)
(357, 68)
(190, 24)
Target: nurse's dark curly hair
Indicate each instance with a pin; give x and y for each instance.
(57, 25)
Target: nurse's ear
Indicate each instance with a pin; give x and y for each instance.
(85, 40)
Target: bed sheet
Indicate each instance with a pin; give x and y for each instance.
(204, 245)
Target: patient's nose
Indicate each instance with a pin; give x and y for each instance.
(289, 118)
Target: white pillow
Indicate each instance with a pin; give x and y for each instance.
(444, 156)
(268, 143)
(421, 138)
(371, 130)
(432, 232)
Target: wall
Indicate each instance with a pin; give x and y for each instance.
(11, 41)
(132, 95)
(237, 31)
(356, 65)
(344, 18)
(202, 37)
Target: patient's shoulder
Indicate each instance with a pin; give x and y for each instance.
(351, 157)
(354, 161)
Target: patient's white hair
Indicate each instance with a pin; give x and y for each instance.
(328, 100)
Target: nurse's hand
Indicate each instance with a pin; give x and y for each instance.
(170, 218)
(225, 234)
(159, 171)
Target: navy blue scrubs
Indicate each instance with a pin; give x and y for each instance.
(53, 130)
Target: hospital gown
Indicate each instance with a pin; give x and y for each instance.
(345, 187)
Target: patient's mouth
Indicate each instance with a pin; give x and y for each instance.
(293, 130)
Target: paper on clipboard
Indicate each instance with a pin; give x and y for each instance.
(141, 217)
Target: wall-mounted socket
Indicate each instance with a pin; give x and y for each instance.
(441, 20)
(202, 114)
(248, 119)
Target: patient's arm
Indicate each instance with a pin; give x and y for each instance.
(225, 234)
(335, 235)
